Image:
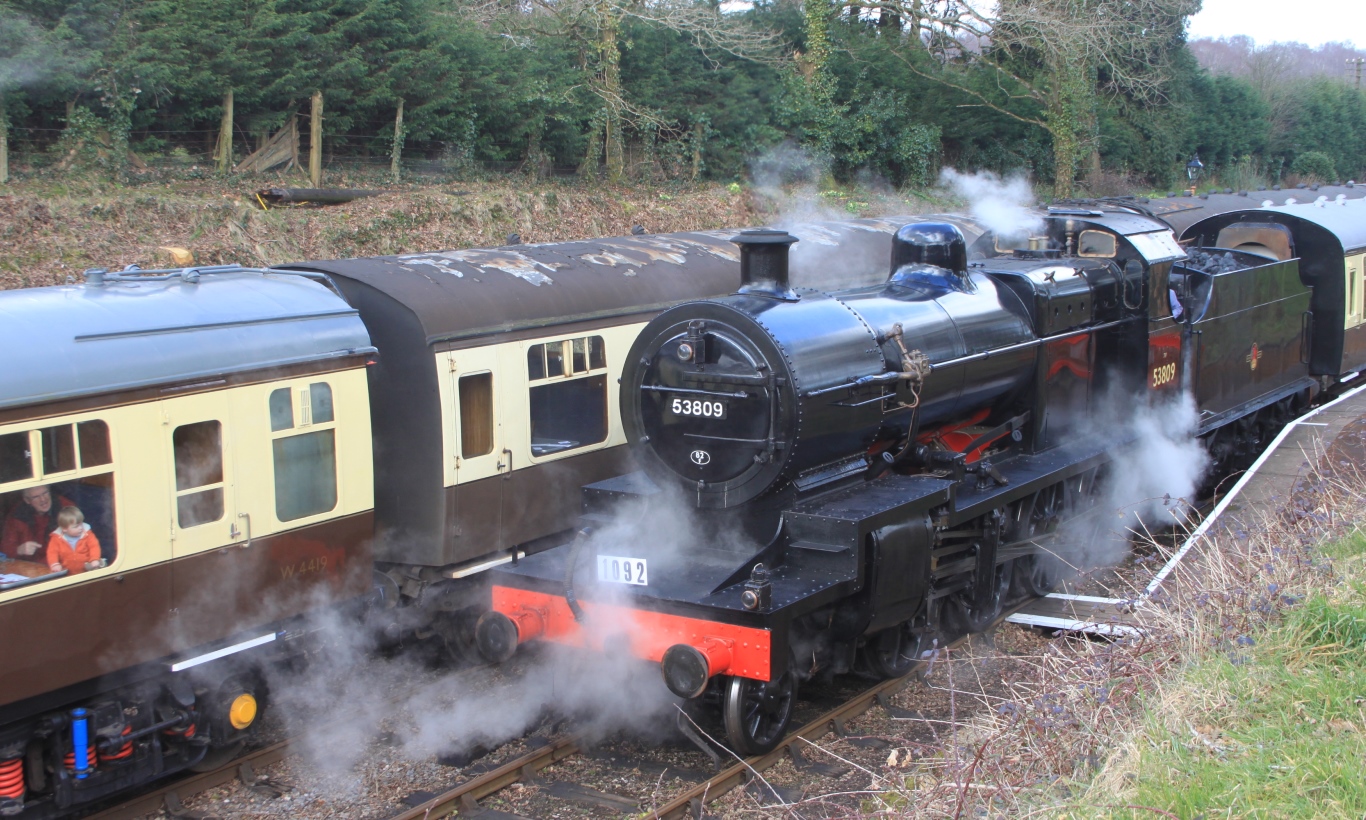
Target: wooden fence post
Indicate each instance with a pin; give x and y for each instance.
(223, 153)
(398, 142)
(4, 140)
(315, 147)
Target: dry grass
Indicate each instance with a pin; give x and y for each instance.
(53, 228)
(50, 232)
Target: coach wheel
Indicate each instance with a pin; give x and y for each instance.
(216, 756)
(893, 652)
(757, 712)
(232, 711)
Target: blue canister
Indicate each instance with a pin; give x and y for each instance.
(80, 740)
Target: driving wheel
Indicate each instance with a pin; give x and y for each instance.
(967, 616)
(757, 712)
(1037, 575)
(894, 651)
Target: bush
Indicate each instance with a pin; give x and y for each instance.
(1314, 165)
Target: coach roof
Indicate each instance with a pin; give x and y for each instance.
(142, 329)
(483, 291)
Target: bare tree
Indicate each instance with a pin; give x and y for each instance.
(1060, 54)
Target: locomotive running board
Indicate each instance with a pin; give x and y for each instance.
(1110, 617)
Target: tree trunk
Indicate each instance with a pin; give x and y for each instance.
(398, 142)
(223, 153)
(4, 140)
(315, 143)
(534, 161)
(699, 133)
(1070, 109)
(609, 53)
(820, 84)
(591, 157)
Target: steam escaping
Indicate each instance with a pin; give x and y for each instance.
(1155, 480)
(429, 711)
(1150, 485)
(1002, 206)
(787, 181)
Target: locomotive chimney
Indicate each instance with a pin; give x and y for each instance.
(763, 262)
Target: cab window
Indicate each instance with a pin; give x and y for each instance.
(42, 472)
(1097, 244)
(568, 394)
(303, 450)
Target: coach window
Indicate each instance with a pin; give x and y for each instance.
(304, 450)
(42, 471)
(16, 457)
(198, 473)
(568, 404)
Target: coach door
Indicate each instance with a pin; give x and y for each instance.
(477, 456)
(203, 506)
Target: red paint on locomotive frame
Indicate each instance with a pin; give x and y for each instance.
(955, 438)
(648, 633)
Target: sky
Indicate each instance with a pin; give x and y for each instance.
(1312, 22)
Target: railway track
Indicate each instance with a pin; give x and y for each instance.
(691, 802)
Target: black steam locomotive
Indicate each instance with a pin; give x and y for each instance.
(866, 469)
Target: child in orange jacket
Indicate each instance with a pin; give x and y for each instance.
(72, 546)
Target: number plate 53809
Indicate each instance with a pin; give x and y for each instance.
(622, 570)
(706, 408)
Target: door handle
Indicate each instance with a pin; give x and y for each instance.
(236, 533)
(506, 465)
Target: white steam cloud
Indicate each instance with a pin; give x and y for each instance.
(787, 180)
(1150, 485)
(1002, 206)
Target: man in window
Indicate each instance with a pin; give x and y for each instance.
(29, 524)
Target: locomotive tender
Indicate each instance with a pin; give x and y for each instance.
(245, 455)
(901, 455)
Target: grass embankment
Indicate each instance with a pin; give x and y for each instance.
(1274, 726)
(1247, 698)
